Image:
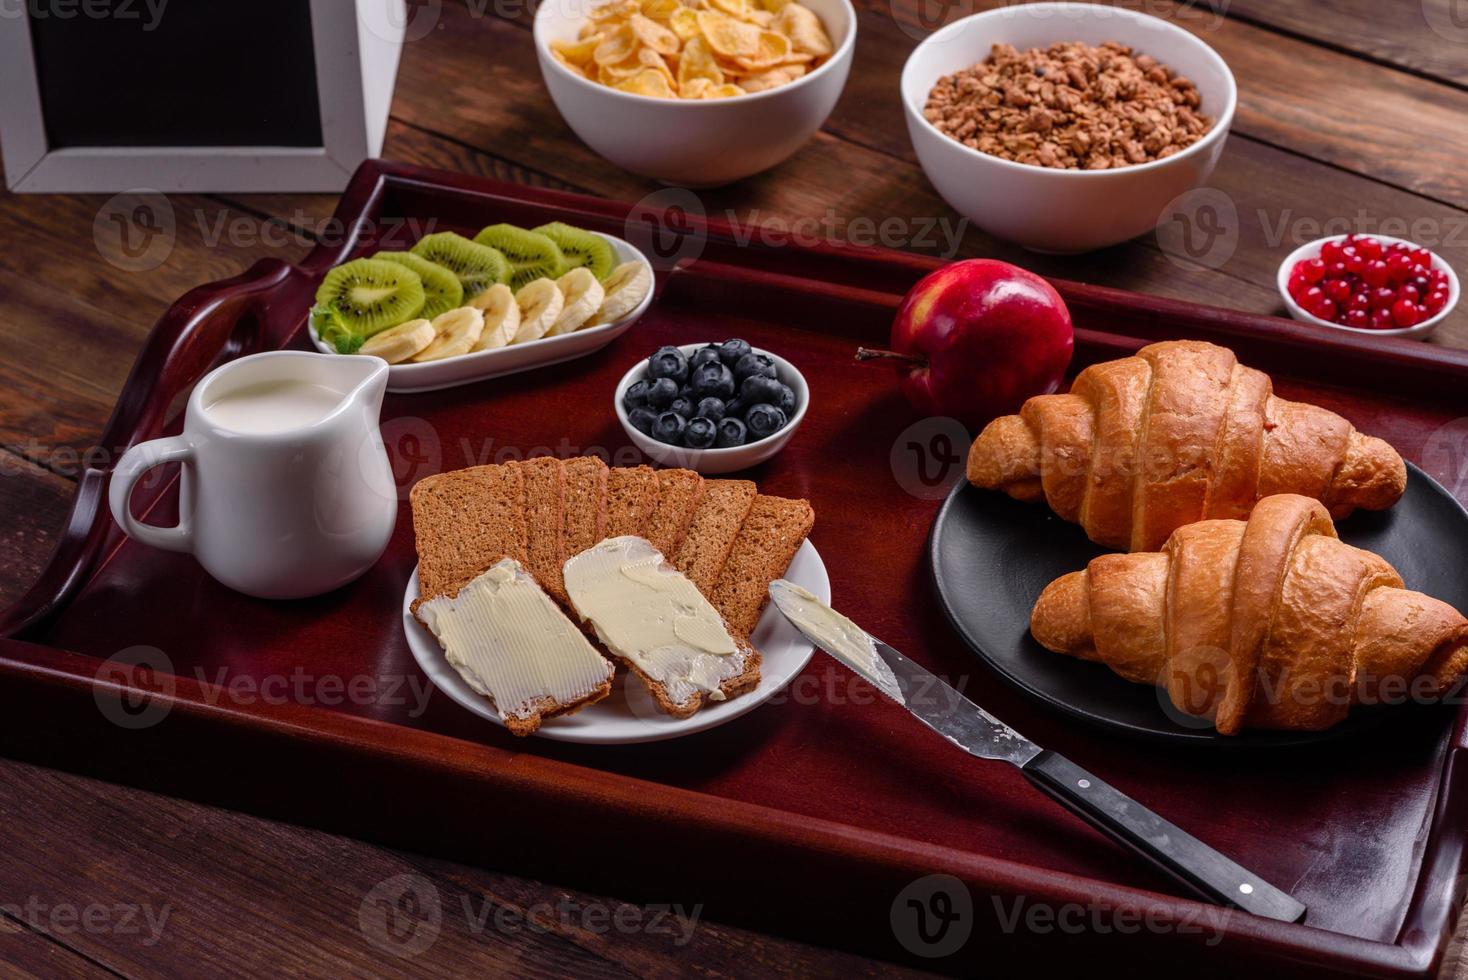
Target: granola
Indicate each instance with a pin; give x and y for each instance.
(1071, 106)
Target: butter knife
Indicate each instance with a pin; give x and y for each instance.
(942, 708)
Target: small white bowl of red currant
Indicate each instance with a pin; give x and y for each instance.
(714, 408)
(1369, 284)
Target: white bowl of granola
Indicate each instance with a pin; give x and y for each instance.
(1084, 146)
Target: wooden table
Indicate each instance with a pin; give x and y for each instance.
(1350, 118)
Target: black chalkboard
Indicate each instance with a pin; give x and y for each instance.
(180, 73)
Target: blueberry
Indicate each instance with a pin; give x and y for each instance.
(705, 355)
(699, 434)
(635, 395)
(709, 408)
(713, 380)
(682, 406)
(730, 351)
(786, 401)
(642, 419)
(660, 393)
(764, 420)
(686, 391)
(669, 428)
(759, 389)
(752, 365)
(731, 433)
(734, 409)
(668, 362)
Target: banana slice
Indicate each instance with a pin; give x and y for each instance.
(583, 297)
(625, 288)
(400, 342)
(501, 316)
(540, 303)
(458, 331)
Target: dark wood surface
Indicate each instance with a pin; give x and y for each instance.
(469, 98)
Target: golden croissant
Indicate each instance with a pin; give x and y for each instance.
(1178, 433)
(1272, 622)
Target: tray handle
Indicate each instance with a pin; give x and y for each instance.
(208, 325)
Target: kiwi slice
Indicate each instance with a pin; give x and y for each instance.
(361, 297)
(441, 287)
(477, 266)
(580, 247)
(531, 255)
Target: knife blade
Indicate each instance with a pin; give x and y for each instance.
(945, 710)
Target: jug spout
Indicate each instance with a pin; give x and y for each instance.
(366, 380)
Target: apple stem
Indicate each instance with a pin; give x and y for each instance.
(872, 354)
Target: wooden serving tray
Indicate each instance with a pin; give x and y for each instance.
(809, 815)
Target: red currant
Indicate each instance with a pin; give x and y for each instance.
(1368, 248)
(1410, 292)
(1354, 260)
(1382, 297)
(1360, 301)
(1324, 309)
(1435, 301)
(1358, 319)
(1312, 269)
(1399, 267)
(1421, 256)
(1311, 297)
(1338, 290)
(1405, 313)
(1376, 273)
(1297, 284)
(1331, 252)
(1382, 320)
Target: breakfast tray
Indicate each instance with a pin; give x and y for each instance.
(809, 815)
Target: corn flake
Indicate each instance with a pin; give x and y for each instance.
(696, 49)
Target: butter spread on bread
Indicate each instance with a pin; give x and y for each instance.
(512, 644)
(653, 617)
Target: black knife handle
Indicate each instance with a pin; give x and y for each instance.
(1175, 851)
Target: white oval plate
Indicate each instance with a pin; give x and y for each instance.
(484, 364)
(629, 714)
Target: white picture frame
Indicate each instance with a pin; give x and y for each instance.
(354, 85)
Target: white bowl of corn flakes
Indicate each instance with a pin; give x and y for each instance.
(697, 93)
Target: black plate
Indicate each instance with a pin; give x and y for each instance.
(991, 556)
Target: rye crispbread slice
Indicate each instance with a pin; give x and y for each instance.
(731, 687)
(585, 510)
(632, 499)
(544, 707)
(772, 532)
(463, 522)
(544, 515)
(679, 493)
(713, 529)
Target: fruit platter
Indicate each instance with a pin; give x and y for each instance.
(455, 310)
(748, 743)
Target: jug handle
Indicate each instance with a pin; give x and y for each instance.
(137, 461)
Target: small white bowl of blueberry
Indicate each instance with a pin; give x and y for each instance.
(714, 408)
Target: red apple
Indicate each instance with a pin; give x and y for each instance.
(976, 338)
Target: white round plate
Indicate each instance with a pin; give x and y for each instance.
(629, 714)
(485, 364)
